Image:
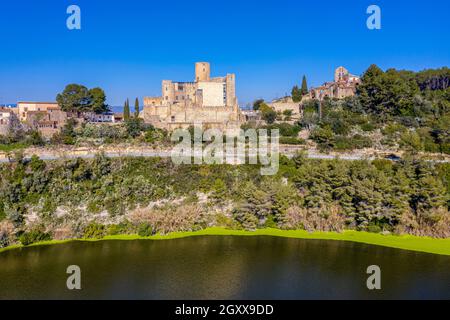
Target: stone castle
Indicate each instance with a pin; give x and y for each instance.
(206, 100)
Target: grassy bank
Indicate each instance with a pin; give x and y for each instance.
(421, 244)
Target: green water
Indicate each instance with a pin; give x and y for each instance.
(215, 267)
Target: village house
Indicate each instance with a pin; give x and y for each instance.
(48, 118)
(25, 107)
(105, 117)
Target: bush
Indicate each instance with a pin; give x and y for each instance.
(350, 143)
(34, 236)
(6, 234)
(267, 113)
(286, 129)
(367, 127)
(292, 141)
(94, 231)
(121, 228)
(135, 127)
(374, 229)
(324, 137)
(35, 138)
(145, 230)
(411, 141)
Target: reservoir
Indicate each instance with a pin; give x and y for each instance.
(222, 267)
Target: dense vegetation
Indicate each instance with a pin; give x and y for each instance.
(133, 131)
(92, 198)
(401, 109)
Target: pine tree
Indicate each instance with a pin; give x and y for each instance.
(136, 108)
(304, 89)
(126, 111)
(219, 191)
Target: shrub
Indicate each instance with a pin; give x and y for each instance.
(94, 231)
(367, 127)
(351, 143)
(170, 219)
(286, 129)
(324, 137)
(121, 228)
(374, 228)
(6, 233)
(410, 140)
(145, 230)
(292, 141)
(34, 236)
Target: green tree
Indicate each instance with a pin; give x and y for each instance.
(94, 231)
(267, 113)
(287, 115)
(219, 191)
(324, 137)
(136, 108)
(257, 104)
(75, 98)
(304, 89)
(98, 97)
(126, 110)
(134, 127)
(411, 141)
(254, 207)
(145, 230)
(296, 94)
(389, 93)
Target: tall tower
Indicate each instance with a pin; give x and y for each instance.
(202, 71)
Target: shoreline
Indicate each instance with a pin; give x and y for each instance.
(403, 242)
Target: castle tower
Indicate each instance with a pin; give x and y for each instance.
(202, 71)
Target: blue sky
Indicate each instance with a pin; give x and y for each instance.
(128, 47)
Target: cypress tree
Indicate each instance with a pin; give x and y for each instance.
(304, 89)
(136, 108)
(126, 111)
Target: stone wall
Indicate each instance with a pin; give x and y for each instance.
(283, 106)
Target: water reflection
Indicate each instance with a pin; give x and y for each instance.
(222, 268)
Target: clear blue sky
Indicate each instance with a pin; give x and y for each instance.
(128, 47)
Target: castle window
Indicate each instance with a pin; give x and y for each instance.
(172, 118)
